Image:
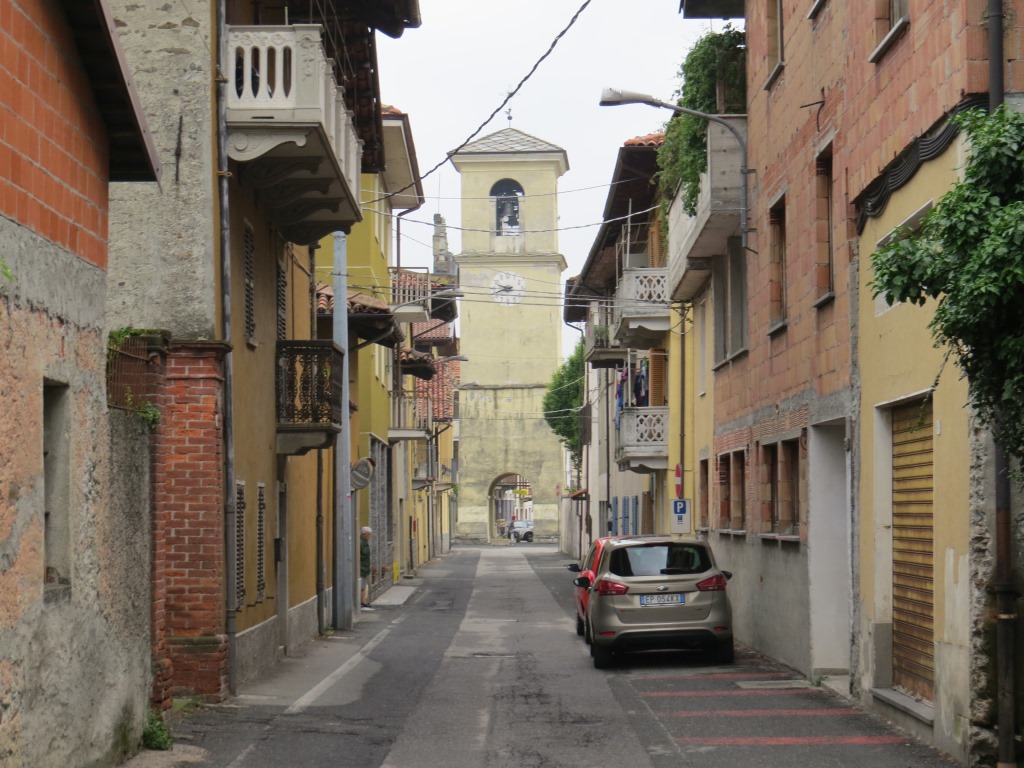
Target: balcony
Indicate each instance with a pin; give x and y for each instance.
(641, 439)
(600, 347)
(288, 125)
(642, 314)
(695, 240)
(307, 395)
(411, 417)
(413, 299)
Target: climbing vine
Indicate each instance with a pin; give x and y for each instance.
(713, 76)
(967, 255)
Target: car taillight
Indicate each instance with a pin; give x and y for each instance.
(606, 587)
(714, 584)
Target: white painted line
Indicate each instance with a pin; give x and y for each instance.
(320, 688)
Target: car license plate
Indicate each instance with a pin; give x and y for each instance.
(675, 599)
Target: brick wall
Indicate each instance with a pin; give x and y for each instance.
(53, 149)
(190, 646)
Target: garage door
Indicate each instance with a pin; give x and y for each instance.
(913, 644)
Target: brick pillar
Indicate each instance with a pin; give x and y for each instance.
(190, 647)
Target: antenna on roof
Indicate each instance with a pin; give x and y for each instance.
(508, 114)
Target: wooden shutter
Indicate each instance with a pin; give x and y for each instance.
(657, 383)
(913, 642)
(647, 513)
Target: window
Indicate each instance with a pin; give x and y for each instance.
(261, 541)
(239, 546)
(776, 59)
(282, 295)
(732, 482)
(729, 287)
(777, 265)
(56, 487)
(892, 19)
(506, 194)
(702, 498)
(782, 491)
(659, 559)
(249, 275)
(824, 270)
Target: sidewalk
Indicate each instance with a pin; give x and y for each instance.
(295, 682)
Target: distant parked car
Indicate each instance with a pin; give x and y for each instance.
(582, 595)
(521, 530)
(657, 592)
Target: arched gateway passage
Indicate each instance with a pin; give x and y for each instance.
(511, 499)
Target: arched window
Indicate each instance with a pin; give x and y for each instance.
(506, 194)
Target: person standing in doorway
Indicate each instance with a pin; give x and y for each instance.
(364, 567)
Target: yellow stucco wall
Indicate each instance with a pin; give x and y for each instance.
(898, 362)
(680, 408)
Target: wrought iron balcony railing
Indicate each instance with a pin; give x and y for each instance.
(308, 394)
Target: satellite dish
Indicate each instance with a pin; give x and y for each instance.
(361, 473)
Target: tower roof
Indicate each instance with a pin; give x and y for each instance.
(510, 141)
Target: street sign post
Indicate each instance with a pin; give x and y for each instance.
(681, 516)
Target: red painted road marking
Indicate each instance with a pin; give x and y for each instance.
(785, 741)
(729, 692)
(721, 676)
(760, 713)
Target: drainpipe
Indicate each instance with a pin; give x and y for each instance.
(223, 177)
(343, 571)
(1006, 594)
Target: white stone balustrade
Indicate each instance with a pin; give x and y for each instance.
(642, 313)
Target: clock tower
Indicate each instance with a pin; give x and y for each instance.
(511, 465)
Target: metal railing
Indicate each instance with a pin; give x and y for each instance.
(308, 386)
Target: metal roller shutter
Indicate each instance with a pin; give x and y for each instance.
(913, 646)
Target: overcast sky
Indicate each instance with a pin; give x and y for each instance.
(453, 71)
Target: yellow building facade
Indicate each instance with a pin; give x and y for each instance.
(915, 487)
(509, 270)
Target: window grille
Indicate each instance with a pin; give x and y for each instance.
(249, 274)
(261, 557)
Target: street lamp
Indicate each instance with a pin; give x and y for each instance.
(454, 359)
(613, 97)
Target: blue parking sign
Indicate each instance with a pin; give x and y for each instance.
(681, 516)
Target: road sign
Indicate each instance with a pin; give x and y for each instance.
(680, 516)
(679, 481)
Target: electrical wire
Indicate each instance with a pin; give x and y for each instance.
(507, 99)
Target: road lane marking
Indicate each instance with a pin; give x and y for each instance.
(787, 741)
(320, 688)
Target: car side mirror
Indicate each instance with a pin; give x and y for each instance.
(727, 574)
(582, 582)
(574, 567)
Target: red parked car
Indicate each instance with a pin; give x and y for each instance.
(586, 568)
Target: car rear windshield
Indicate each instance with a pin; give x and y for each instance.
(659, 559)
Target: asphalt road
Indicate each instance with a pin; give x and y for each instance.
(476, 664)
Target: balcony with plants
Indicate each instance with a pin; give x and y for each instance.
(601, 348)
(702, 161)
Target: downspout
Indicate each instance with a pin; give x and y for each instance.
(223, 177)
(1006, 594)
(344, 587)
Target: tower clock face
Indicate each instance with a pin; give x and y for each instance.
(508, 288)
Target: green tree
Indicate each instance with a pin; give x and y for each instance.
(967, 256)
(713, 78)
(562, 403)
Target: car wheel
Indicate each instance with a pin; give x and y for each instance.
(602, 655)
(725, 652)
(579, 625)
(586, 632)
(529, 538)
(516, 538)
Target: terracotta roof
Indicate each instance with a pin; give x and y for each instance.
(422, 365)
(389, 111)
(441, 390)
(650, 140)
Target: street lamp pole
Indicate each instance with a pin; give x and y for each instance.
(612, 97)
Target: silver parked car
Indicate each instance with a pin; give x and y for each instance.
(657, 592)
